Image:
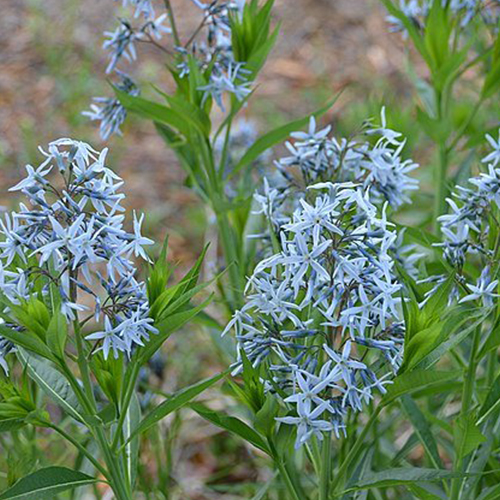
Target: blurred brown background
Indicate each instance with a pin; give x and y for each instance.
(51, 64)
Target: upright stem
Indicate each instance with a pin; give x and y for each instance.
(229, 248)
(129, 392)
(171, 18)
(354, 451)
(326, 459)
(440, 196)
(118, 483)
(467, 394)
(290, 486)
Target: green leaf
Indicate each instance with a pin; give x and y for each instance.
(44, 484)
(234, 425)
(417, 380)
(52, 383)
(467, 436)
(491, 403)
(401, 476)
(28, 340)
(492, 493)
(421, 344)
(435, 355)
(275, 136)
(422, 493)
(11, 424)
(423, 430)
(167, 327)
(57, 334)
(159, 113)
(437, 34)
(492, 80)
(177, 401)
(132, 421)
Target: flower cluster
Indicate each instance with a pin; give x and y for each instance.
(374, 161)
(109, 111)
(227, 75)
(142, 7)
(417, 12)
(315, 156)
(322, 313)
(467, 231)
(70, 238)
(121, 42)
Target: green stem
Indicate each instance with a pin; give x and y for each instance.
(326, 459)
(230, 250)
(440, 197)
(83, 364)
(80, 447)
(354, 451)
(114, 475)
(171, 18)
(467, 396)
(225, 150)
(129, 392)
(290, 486)
(117, 479)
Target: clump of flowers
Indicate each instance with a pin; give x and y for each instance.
(109, 111)
(316, 156)
(321, 313)
(209, 48)
(470, 233)
(374, 161)
(121, 42)
(417, 12)
(69, 241)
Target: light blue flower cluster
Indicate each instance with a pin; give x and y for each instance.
(315, 156)
(120, 44)
(466, 231)
(322, 313)
(142, 7)
(417, 12)
(373, 161)
(109, 111)
(71, 236)
(227, 75)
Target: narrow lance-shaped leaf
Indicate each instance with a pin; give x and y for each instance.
(131, 423)
(52, 383)
(417, 380)
(45, 484)
(234, 425)
(177, 401)
(423, 430)
(401, 476)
